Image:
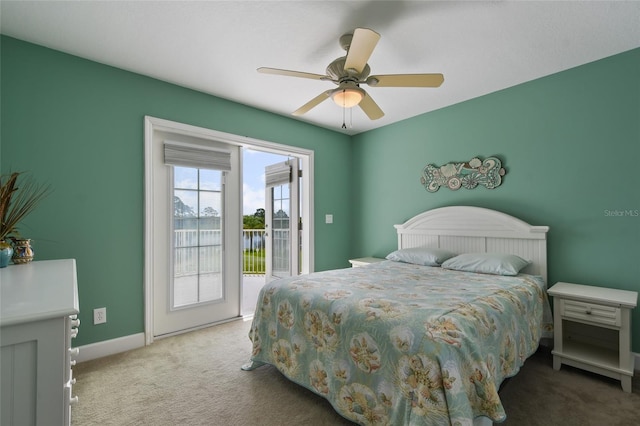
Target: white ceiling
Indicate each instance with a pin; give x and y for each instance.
(216, 46)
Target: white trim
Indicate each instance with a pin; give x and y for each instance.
(110, 347)
(133, 341)
(148, 232)
(200, 327)
(306, 157)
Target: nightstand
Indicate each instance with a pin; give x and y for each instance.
(364, 261)
(592, 330)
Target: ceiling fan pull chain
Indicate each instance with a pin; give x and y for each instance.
(344, 126)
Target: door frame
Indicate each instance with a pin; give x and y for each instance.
(305, 156)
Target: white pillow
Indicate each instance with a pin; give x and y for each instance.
(487, 263)
(421, 256)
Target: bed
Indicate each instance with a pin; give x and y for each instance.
(401, 343)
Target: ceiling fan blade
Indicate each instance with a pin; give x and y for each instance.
(362, 44)
(406, 80)
(289, 73)
(312, 103)
(370, 108)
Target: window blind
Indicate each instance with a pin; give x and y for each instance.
(278, 174)
(198, 156)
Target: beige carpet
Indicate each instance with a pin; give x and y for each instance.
(195, 379)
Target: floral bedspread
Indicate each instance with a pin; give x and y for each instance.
(399, 344)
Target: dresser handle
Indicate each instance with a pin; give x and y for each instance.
(75, 322)
(74, 351)
(73, 400)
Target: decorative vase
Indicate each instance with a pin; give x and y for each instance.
(5, 253)
(22, 251)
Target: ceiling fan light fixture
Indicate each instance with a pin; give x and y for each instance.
(348, 97)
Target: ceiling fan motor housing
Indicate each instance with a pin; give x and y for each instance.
(339, 74)
(345, 41)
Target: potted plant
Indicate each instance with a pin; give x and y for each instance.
(19, 196)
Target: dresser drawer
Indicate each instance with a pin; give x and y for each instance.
(591, 312)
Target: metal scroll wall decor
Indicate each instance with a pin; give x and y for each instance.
(467, 175)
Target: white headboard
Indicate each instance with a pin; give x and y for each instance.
(464, 229)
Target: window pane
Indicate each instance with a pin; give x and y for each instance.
(183, 238)
(185, 178)
(210, 273)
(210, 180)
(210, 204)
(185, 203)
(186, 261)
(185, 290)
(281, 238)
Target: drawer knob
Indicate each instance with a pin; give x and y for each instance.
(74, 351)
(73, 400)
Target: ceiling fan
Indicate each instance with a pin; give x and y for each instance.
(350, 71)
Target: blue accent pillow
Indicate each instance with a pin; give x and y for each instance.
(421, 256)
(487, 263)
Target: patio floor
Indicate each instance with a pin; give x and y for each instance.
(251, 285)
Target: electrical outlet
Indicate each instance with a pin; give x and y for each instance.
(99, 316)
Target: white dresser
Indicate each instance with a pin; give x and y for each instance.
(38, 319)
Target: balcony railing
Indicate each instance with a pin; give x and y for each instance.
(187, 251)
(253, 251)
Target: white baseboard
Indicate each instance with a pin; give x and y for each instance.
(110, 347)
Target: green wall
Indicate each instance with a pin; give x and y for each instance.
(78, 125)
(571, 145)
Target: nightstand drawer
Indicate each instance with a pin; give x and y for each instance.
(591, 312)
